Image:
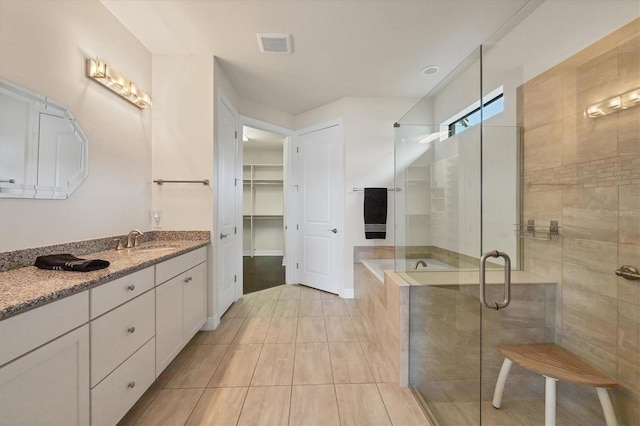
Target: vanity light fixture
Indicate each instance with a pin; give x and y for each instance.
(112, 79)
(608, 106)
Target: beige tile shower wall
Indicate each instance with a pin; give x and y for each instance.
(585, 173)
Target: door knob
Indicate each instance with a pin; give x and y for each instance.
(223, 235)
(334, 230)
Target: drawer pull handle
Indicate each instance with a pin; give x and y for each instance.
(131, 330)
(188, 279)
(131, 385)
(131, 287)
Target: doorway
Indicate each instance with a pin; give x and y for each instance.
(263, 208)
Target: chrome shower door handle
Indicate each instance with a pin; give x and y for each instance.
(507, 279)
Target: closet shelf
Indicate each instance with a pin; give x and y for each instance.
(263, 218)
(263, 181)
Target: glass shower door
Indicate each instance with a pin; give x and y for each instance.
(438, 221)
(459, 182)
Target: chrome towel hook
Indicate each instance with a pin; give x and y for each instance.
(629, 272)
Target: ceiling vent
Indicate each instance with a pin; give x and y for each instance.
(274, 43)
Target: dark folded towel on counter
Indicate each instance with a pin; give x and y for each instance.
(375, 213)
(68, 262)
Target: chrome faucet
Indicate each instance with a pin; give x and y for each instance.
(418, 263)
(136, 233)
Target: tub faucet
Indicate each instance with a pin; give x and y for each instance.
(136, 233)
(418, 263)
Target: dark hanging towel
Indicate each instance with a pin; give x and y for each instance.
(68, 262)
(375, 213)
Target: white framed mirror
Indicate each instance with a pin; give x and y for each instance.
(43, 151)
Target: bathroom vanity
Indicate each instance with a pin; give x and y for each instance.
(85, 352)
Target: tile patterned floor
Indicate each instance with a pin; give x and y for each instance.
(288, 355)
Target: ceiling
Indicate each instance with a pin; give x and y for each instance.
(341, 48)
(260, 139)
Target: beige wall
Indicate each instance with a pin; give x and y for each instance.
(43, 48)
(183, 148)
(585, 172)
(183, 140)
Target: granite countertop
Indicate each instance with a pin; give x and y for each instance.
(29, 287)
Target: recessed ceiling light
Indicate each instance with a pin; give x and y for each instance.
(431, 69)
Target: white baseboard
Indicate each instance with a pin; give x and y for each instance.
(269, 253)
(212, 323)
(347, 293)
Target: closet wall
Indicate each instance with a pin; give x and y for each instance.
(263, 193)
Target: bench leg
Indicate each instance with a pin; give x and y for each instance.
(549, 401)
(502, 379)
(607, 408)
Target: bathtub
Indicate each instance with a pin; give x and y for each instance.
(378, 266)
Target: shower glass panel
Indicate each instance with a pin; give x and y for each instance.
(534, 182)
(460, 198)
(438, 221)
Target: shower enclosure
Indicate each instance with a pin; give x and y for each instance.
(459, 198)
(459, 170)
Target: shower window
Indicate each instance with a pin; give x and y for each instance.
(466, 119)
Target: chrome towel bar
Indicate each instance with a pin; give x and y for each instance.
(355, 189)
(163, 181)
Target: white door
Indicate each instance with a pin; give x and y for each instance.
(225, 239)
(320, 227)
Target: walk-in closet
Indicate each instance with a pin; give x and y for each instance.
(263, 209)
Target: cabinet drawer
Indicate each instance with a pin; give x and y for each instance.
(173, 267)
(117, 393)
(27, 331)
(117, 292)
(116, 335)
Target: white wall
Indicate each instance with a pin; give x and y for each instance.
(368, 154)
(43, 47)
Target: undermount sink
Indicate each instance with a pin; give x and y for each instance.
(154, 248)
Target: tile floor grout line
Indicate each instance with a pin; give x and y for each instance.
(257, 362)
(244, 400)
(290, 395)
(366, 357)
(135, 420)
(384, 404)
(196, 404)
(335, 392)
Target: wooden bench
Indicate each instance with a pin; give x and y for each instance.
(555, 363)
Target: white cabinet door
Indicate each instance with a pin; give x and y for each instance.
(194, 300)
(181, 310)
(49, 386)
(169, 328)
